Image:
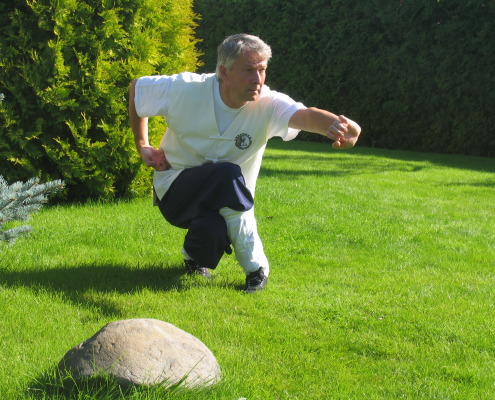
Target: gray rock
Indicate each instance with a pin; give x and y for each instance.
(143, 352)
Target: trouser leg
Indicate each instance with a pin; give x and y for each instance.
(193, 202)
(207, 240)
(243, 233)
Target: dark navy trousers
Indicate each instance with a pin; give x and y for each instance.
(193, 202)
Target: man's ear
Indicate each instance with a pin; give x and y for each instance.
(223, 72)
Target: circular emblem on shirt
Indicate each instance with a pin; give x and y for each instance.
(243, 141)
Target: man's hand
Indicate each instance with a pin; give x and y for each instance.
(344, 132)
(154, 158)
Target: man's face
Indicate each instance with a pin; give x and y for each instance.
(244, 80)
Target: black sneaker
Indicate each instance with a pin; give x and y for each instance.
(194, 269)
(255, 281)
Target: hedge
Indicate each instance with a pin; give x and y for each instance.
(416, 74)
(65, 69)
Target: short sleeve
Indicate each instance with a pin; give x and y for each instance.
(151, 95)
(284, 108)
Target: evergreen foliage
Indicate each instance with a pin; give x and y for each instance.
(416, 74)
(65, 69)
(19, 200)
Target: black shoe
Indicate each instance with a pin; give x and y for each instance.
(194, 269)
(255, 281)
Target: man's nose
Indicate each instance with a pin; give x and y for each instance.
(257, 78)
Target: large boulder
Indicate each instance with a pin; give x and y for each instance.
(143, 352)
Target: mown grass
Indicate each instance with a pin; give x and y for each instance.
(381, 287)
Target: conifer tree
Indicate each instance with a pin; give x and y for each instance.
(65, 71)
(19, 200)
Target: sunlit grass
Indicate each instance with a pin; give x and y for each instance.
(381, 287)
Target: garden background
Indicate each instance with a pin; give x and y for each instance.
(382, 283)
(417, 75)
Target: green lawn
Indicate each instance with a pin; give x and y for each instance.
(382, 283)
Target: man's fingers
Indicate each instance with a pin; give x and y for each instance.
(160, 161)
(344, 120)
(337, 130)
(154, 158)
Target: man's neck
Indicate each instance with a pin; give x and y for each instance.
(227, 98)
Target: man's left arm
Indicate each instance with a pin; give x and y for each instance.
(342, 130)
(151, 156)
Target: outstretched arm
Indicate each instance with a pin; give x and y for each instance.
(343, 131)
(151, 156)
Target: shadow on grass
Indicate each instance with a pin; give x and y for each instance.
(336, 166)
(74, 282)
(54, 385)
(365, 159)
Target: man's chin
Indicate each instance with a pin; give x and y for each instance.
(253, 96)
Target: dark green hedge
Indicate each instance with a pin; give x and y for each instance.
(416, 74)
(65, 69)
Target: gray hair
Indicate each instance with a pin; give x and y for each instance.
(236, 45)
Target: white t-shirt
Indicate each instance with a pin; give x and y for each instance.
(202, 129)
(223, 113)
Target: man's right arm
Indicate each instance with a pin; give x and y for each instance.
(151, 156)
(343, 131)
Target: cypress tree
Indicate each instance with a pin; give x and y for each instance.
(65, 70)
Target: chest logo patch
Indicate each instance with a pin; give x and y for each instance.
(243, 141)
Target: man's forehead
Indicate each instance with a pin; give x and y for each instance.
(252, 59)
(258, 63)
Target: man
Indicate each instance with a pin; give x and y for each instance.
(209, 158)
